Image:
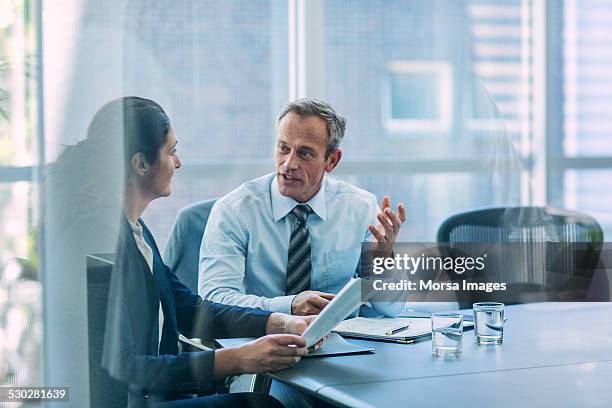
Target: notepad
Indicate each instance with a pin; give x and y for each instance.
(377, 329)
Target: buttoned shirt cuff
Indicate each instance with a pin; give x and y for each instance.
(281, 304)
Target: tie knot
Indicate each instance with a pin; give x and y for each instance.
(301, 211)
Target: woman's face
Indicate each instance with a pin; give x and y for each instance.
(168, 162)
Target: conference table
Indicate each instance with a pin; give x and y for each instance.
(554, 354)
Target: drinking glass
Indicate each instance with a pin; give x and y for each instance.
(446, 334)
(489, 323)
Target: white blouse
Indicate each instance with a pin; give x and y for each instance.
(147, 252)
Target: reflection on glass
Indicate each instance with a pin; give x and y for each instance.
(17, 84)
(20, 290)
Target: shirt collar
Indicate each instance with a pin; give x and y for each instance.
(281, 205)
(136, 227)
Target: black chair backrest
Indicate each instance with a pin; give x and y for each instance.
(182, 253)
(524, 224)
(104, 391)
(520, 224)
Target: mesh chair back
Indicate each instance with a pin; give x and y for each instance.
(520, 224)
(524, 226)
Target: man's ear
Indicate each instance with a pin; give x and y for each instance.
(139, 164)
(333, 160)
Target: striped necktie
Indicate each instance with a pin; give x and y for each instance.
(299, 265)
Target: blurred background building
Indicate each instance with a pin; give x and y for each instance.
(451, 104)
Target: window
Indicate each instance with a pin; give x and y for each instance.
(451, 104)
(454, 75)
(419, 96)
(219, 69)
(581, 153)
(20, 288)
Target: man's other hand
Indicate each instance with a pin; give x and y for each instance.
(310, 302)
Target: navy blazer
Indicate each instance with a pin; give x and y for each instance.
(132, 326)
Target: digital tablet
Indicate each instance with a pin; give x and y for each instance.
(342, 305)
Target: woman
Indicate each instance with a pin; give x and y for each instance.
(148, 306)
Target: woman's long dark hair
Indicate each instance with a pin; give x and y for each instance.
(89, 177)
(143, 123)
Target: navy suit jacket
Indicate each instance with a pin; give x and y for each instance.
(132, 325)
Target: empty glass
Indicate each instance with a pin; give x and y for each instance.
(489, 323)
(446, 334)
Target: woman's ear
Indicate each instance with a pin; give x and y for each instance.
(139, 164)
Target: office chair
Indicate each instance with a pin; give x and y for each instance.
(182, 253)
(525, 274)
(104, 391)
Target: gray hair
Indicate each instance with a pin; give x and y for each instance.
(314, 107)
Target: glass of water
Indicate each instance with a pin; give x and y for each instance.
(446, 334)
(489, 323)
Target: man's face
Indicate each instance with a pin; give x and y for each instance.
(300, 156)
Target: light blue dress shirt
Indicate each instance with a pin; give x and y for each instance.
(243, 256)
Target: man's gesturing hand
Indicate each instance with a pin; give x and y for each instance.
(390, 222)
(310, 302)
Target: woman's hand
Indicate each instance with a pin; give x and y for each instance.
(269, 353)
(293, 325)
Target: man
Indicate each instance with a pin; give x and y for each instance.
(288, 241)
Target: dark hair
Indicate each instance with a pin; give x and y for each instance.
(141, 123)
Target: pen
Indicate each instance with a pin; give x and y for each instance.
(397, 330)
